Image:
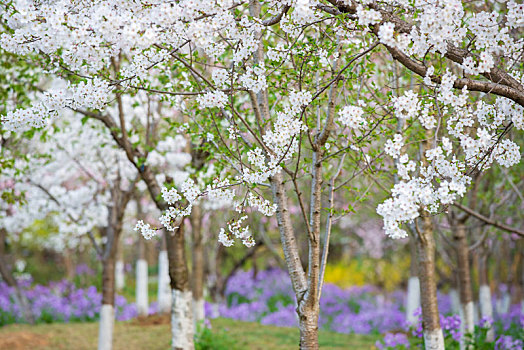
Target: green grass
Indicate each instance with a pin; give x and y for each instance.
(132, 336)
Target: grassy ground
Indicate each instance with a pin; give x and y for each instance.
(136, 335)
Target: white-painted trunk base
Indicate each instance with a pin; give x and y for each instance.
(142, 303)
(105, 331)
(215, 309)
(164, 289)
(469, 316)
(486, 309)
(476, 317)
(119, 275)
(455, 301)
(198, 310)
(182, 320)
(468, 323)
(503, 304)
(413, 299)
(434, 340)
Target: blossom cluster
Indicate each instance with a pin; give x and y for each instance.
(254, 79)
(212, 99)
(235, 230)
(93, 94)
(218, 193)
(406, 106)
(145, 229)
(263, 205)
(351, 116)
(481, 146)
(281, 140)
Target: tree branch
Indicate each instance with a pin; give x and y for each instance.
(489, 221)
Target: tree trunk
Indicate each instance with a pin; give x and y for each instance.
(119, 275)
(485, 304)
(287, 237)
(413, 294)
(142, 303)
(308, 325)
(69, 264)
(107, 312)
(198, 265)
(308, 329)
(217, 280)
(7, 276)
(464, 278)
(112, 237)
(503, 276)
(518, 273)
(454, 299)
(181, 311)
(164, 289)
(119, 268)
(433, 337)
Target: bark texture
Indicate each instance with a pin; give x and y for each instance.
(69, 263)
(112, 234)
(464, 281)
(308, 324)
(108, 281)
(287, 236)
(119, 268)
(306, 290)
(181, 315)
(433, 337)
(197, 275)
(517, 272)
(105, 333)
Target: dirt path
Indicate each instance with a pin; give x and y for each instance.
(22, 340)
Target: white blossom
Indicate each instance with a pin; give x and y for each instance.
(145, 229)
(351, 116)
(212, 99)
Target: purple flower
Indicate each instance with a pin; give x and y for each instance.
(284, 317)
(486, 322)
(268, 297)
(83, 269)
(506, 342)
(61, 302)
(393, 341)
(451, 325)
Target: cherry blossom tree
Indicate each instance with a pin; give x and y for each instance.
(286, 95)
(70, 180)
